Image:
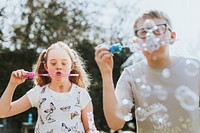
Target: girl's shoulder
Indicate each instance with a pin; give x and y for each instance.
(78, 88)
(39, 89)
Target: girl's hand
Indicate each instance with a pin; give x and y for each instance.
(18, 77)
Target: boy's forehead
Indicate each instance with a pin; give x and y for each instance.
(140, 22)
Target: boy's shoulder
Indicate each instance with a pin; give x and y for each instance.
(135, 68)
(137, 65)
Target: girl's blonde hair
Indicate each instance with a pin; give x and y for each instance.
(151, 14)
(78, 67)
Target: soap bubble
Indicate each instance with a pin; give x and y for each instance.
(149, 25)
(166, 73)
(145, 90)
(187, 98)
(161, 93)
(191, 67)
(124, 110)
(140, 114)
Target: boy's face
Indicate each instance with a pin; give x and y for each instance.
(163, 34)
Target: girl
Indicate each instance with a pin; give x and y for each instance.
(63, 103)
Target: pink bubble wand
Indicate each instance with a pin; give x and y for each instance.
(32, 75)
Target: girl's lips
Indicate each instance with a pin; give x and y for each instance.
(58, 73)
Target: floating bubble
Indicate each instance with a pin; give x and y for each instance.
(160, 92)
(190, 68)
(187, 98)
(166, 73)
(124, 110)
(145, 90)
(149, 25)
(138, 80)
(140, 114)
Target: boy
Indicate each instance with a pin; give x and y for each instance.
(163, 88)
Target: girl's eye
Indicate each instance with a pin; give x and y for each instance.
(64, 64)
(53, 64)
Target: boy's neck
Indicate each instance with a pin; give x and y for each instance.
(160, 62)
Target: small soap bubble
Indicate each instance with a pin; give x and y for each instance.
(145, 104)
(140, 114)
(124, 110)
(145, 91)
(138, 80)
(191, 68)
(166, 73)
(149, 25)
(160, 92)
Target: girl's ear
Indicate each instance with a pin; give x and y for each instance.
(72, 67)
(45, 67)
(173, 37)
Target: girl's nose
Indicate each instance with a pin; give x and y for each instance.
(58, 67)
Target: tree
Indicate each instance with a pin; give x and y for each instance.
(47, 22)
(1, 23)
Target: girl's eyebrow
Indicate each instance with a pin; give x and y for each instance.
(56, 59)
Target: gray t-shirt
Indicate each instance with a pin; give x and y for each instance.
(59, 112)
(166, 99)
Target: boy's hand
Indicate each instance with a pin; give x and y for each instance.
(18, 77)
(104, 59)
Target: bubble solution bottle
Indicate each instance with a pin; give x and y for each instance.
(30, 118)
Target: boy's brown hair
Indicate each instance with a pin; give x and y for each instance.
(151, 14)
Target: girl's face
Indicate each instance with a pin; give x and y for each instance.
(58, 63)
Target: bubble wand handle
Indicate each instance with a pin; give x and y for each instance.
(32, 75)
(116, 48)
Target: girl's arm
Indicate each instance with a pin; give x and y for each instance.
(88, 119)
(7, 107)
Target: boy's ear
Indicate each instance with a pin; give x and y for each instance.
(173, 37)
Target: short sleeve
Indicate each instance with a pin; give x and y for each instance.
(123, 88)
(33, 96)
(84, 98)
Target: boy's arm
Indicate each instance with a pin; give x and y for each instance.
(104, 61)
(110, 104)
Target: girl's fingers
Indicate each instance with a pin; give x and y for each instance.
(20, 74)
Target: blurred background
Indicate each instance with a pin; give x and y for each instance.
(29, 26)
